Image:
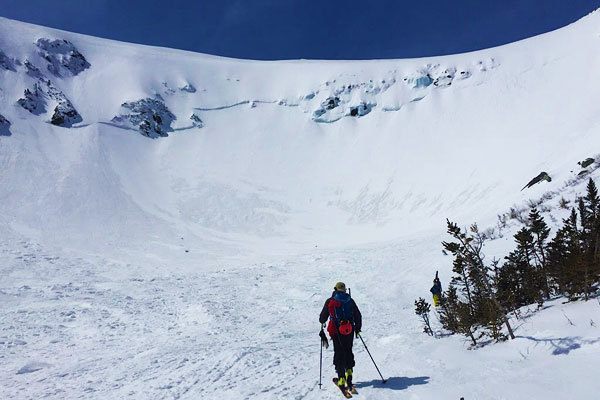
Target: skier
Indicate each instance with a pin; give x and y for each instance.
(436, 290)
(345, 321)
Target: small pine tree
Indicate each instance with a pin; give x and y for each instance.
(467, 251)
(422, 309)
(540, 232)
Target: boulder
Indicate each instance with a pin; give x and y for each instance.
(62, 56)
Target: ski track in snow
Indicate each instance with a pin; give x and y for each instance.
(95, 329)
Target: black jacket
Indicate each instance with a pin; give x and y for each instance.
(356, 315)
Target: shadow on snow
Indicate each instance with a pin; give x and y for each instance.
(562, 345)
(395, 382)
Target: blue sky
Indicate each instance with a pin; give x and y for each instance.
(290, 29)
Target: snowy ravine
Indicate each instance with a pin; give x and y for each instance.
(173, 222)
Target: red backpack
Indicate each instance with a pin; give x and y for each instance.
(341, 316)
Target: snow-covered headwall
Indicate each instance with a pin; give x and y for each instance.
(95, 133)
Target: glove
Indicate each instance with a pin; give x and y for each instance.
(324, 341)
(357, 333)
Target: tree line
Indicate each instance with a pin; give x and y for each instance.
(481, 295)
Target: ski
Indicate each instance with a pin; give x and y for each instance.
(347, 394)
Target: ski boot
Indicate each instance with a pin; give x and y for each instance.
(341, 384)
(349, 384)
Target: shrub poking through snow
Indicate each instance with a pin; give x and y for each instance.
(422, 309)
(196, 121)
(62, 56)
(149, 116)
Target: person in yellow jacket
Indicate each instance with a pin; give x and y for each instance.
(436, 291)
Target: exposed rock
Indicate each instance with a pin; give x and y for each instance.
(188, 88)
(150, 116)
(65, 115)
(310, 96)
(543, 176)
(330, 103)
(62, 56)
(445, 79)
(360, 110)
(586, 163)
(6, 62)
(33, 71)
(196, 121)
(34, 100)
(4, 126)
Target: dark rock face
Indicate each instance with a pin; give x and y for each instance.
(330, 103)
(65, 115)
(33, 71)
(360, 110)
(4, 126)
(586, 163)
(62, 56)
(543, 176)
(6, 62)
(34, 100)
(150, 116)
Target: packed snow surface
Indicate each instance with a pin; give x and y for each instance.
(173, 222)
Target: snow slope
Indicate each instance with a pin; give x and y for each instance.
(194, 265)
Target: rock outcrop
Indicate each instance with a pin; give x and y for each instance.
(65, 115)
(4, 126)
(189, 88)
(6, 62)
(149, 116)
(62, 56)
(34, 100)
(542, 176)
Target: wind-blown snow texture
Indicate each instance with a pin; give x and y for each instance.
(172, 222)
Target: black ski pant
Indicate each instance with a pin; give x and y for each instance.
(343, 358)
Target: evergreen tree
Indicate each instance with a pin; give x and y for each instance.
(540, 231)
(422, 309)
(466, 250)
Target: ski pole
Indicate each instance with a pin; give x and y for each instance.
(321, 365)
(363, 342)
